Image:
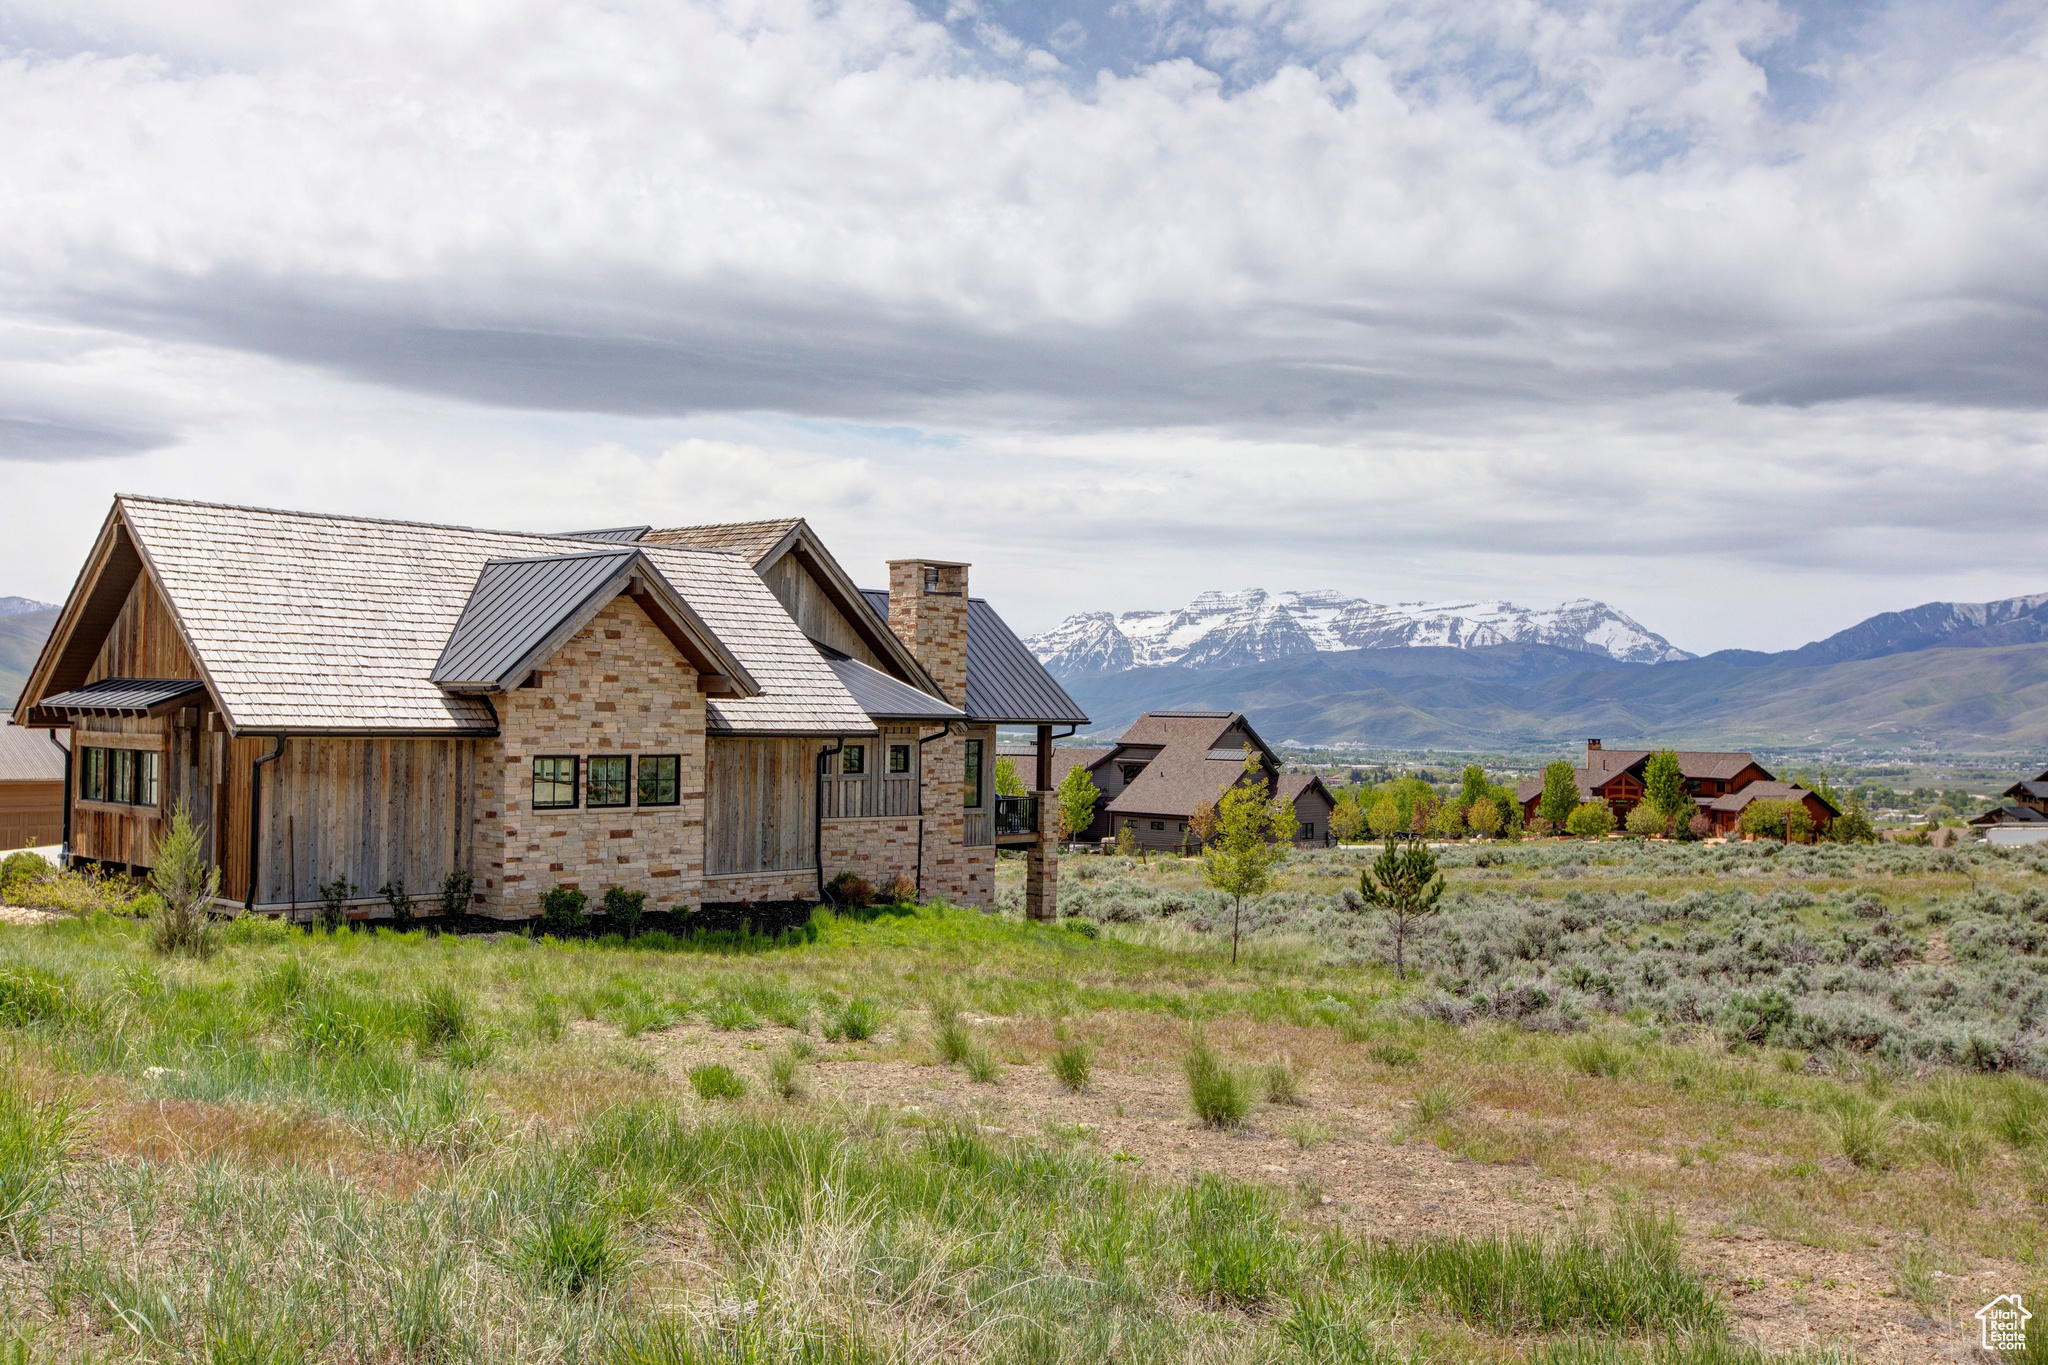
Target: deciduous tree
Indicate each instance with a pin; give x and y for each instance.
(1076, 796)
(1253, 835)
(1560, 793)
(1664, 786)
(1593, 820)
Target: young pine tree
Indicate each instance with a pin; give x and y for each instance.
(1405, 883)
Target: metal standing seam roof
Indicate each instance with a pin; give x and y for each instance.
(333, 624)
(2010, 815)
(2034, 787)
(26, 755)
(123, 696)
(886, 699)
(1006, 684)
(520, 610)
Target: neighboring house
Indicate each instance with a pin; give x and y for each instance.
(1726, 811)
(1616, 777)
(1720, 784)
(705, 714)
(2024, 820)
(1171, 763)
(31, 787)
(1312, 806)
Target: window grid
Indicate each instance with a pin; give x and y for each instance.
(853, 759)
(973, 783)
(899, 758)
(609, 781)
(554, 783)
(661, 780)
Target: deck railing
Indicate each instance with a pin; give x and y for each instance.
(1016, 815)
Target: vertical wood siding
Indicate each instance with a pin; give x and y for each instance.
(814, 613)
(368, 810)
(144, 642)
(758, 805)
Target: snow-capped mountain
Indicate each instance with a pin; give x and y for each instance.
(1229, 629)
(22, 606)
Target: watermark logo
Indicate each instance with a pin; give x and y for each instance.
(2004, 1323)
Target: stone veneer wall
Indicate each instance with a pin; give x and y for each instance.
(878, 848)
(617, 687)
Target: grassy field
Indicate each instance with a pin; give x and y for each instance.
(962, 1137)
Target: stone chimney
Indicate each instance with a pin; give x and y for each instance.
(1592, 746)
(928, 612)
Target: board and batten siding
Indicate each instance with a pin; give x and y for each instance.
(144, 641)
(759, 799)
(814, 613)
(368, 810)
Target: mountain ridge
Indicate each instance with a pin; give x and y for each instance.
(1227, 630)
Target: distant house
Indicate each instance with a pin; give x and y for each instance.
(2024, 820)
(1171, 763)
(1721, 784)
(31, 787)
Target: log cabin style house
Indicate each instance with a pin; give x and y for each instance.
(1720, 784)
(709, 714)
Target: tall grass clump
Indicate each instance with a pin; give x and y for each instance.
(1235, 1252)
(1862, 1130)
(717, 1081)
(1071, 1065)
(35, 1138)
(1516, 1282)
(1282, 1080)
(951, 1038)
(186, 883)
(1220, 1096)
(856, 1021)
(571, 1252)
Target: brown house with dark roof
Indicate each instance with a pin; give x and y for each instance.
(32, 766)
(1171, 763)
(1720, 784)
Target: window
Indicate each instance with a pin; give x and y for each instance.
(853, 759)
(1183, 827)
(1159, 824)
(1306, 833)
(554, 784)
(973, 774)
(899, 758)
(610, 780)
(129, 776)
(1131, 771)
(661, 780)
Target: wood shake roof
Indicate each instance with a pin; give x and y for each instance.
(333, 624)
(752, 541)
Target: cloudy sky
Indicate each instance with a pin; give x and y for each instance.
(1730, 313)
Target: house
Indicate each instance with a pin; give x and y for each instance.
(704, 714)
(1726, 811)
(32, 766)
(1169, 764)
(1616, 776)
(2024, 820)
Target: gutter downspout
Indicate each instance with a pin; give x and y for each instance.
(64, 851)
(256, 817)
(818, 817)
(944, 730)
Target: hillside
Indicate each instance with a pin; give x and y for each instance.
(1964, 698)
(21, 637)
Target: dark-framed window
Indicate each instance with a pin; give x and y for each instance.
(554, 783)
(1159, 824)
(130, 777)
(1308, 831)
(661, 779)
(899, 758)
(609, 780)
(1131, 771)
(853, 759)
(973, 774)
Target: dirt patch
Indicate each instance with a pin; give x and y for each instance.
(1362, 1162)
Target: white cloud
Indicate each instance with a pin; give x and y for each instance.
(1475, 286)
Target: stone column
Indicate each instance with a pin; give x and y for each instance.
(928, 612)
